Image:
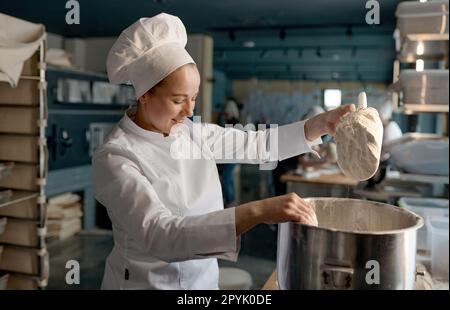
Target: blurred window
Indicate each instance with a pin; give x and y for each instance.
(332, 98)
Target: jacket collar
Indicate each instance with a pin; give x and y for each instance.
(127, 124)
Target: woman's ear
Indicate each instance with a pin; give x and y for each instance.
(143, 99)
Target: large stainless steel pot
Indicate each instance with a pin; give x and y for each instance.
(358, 245)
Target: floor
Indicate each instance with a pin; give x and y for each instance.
(91, 248)
(260, 269)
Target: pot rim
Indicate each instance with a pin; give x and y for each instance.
(418, 225)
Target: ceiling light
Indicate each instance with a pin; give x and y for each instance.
(249, 44)
(282, 34)
(263, 54)
(232, 35)
(349, 32)
(318, 52)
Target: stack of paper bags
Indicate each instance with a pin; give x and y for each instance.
(64, 213)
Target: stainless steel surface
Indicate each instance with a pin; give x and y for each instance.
(354, 239)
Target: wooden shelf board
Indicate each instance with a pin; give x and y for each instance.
(428, 37)
(417, 108)
(18, 196)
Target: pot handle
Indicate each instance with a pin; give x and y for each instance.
(336, 277)
(420, 271)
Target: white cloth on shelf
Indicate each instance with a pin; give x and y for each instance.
(19, 40)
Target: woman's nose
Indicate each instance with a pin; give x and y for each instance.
(187, 111)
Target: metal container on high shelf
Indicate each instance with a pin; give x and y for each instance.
(358, 244)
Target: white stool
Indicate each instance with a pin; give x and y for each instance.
(234, 279)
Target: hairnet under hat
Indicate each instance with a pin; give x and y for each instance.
(147, 52)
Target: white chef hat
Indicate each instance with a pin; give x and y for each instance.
(147, 52)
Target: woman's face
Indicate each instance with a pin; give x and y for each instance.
(171, 101)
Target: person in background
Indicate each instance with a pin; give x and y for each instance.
(231, 111)
(392, 130)
(391, 134)
(230, 116)
(283, 167)
(326, 154)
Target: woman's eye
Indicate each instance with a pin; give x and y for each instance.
(178, 101)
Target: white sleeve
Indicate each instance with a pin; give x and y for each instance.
(258, 146)
(134, 207)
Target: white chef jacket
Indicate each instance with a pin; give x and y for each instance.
(167, 214)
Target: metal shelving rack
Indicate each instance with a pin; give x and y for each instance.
(408, 108)
(397, 184)
(37, 254)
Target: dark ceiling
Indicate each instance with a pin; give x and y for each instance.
(288, 39)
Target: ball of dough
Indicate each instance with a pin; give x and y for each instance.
(359, 137)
